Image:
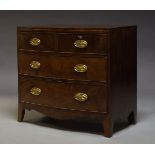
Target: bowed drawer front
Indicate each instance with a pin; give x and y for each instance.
(63, 95)
(64, 67)
(78, 73)
(64, 42)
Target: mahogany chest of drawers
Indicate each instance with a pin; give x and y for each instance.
(79, 73)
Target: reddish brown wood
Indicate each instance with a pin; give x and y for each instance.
(58, 42)
(61, 94)
(63, 114)
(110, 81)
(58, 66)
(97, 43)
(21, 112)
(48, 41)
(108, 126)
(122, 74)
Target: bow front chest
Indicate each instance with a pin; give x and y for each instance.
(84, 73)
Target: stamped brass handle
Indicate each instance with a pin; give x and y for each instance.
(81, 97)
(80, 68)
(35, 91)
(80, 43)
(35, 64)
(35, 41)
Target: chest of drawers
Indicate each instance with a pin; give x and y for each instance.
(79, 73)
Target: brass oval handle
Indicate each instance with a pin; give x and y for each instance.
(35, 91)
(80, 68)
(35, 41)
(81, 97)
(80, 43)
(35, 64)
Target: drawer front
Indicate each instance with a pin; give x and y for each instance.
(83, 43)
(37, 41)
(64, 67)
(63, 42)
(63, 95)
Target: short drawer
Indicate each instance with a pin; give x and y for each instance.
(36, 41)
(63, 67)
(70, 96)
(83, 43)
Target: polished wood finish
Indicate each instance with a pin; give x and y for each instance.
(62, 67)
(61, 94)
(47, 41)
(122, 74)
(109, 81)
(97, 43)
(58, 42)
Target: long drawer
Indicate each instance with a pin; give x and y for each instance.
(73, 96)
(63, 42)
(63, 67)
